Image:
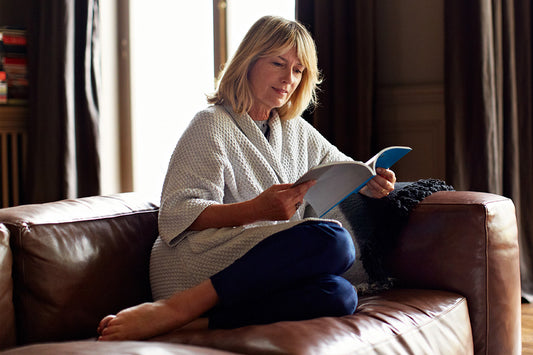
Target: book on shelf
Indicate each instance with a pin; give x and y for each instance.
(3, 87)
(13, 40)
(13, 43)
(338, 180)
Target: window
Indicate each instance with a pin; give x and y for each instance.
(171, 71)
(171, 46)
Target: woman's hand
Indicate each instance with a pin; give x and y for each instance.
(280, 202)
(381, 185)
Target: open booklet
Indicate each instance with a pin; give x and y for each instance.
(338, 180)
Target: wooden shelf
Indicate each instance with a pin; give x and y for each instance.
(13, 117)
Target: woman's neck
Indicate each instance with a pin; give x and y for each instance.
(259, 115)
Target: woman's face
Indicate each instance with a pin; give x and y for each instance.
(273, 80)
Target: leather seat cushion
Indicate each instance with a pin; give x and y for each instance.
(88, 347)
(394, 321)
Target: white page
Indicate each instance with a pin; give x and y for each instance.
(335, 181)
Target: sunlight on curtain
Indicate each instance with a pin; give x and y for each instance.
(109, 157)
(171, 71)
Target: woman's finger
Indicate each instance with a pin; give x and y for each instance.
(387, 174)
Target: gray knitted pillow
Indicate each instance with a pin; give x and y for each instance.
(375, 225)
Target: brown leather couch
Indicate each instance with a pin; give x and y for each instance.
(66, 264)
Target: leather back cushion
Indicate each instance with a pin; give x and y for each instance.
(76, 261)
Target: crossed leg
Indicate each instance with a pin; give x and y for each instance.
(308, 249)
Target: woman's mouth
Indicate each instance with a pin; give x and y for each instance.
(280, 91)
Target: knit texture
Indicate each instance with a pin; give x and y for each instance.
(375, 225)
(223, 157)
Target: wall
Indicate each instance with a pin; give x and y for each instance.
(410, 80)
(14, 12)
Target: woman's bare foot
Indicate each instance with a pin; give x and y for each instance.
(149, 319)
(141, 322)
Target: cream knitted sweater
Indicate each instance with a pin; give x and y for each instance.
(223, 157)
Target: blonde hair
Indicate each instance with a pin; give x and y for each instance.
(269, 36)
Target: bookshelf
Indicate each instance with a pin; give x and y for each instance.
(13, 119)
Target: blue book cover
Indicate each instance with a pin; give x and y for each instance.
(338, 180)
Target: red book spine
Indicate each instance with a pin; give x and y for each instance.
(13, 60)
(10, 40)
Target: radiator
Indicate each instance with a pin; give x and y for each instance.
(12, 163)
(13, 140)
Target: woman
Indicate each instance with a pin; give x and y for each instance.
(235, 244)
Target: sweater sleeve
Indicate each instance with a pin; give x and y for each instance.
(194, 180)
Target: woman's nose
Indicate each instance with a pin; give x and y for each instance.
(288, 76)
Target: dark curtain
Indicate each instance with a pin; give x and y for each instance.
(64, 72)
(344, 34)
(489, 107)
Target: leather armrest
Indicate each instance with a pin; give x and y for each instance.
(466, 242)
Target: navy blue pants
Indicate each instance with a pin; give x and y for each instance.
(291, 275)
